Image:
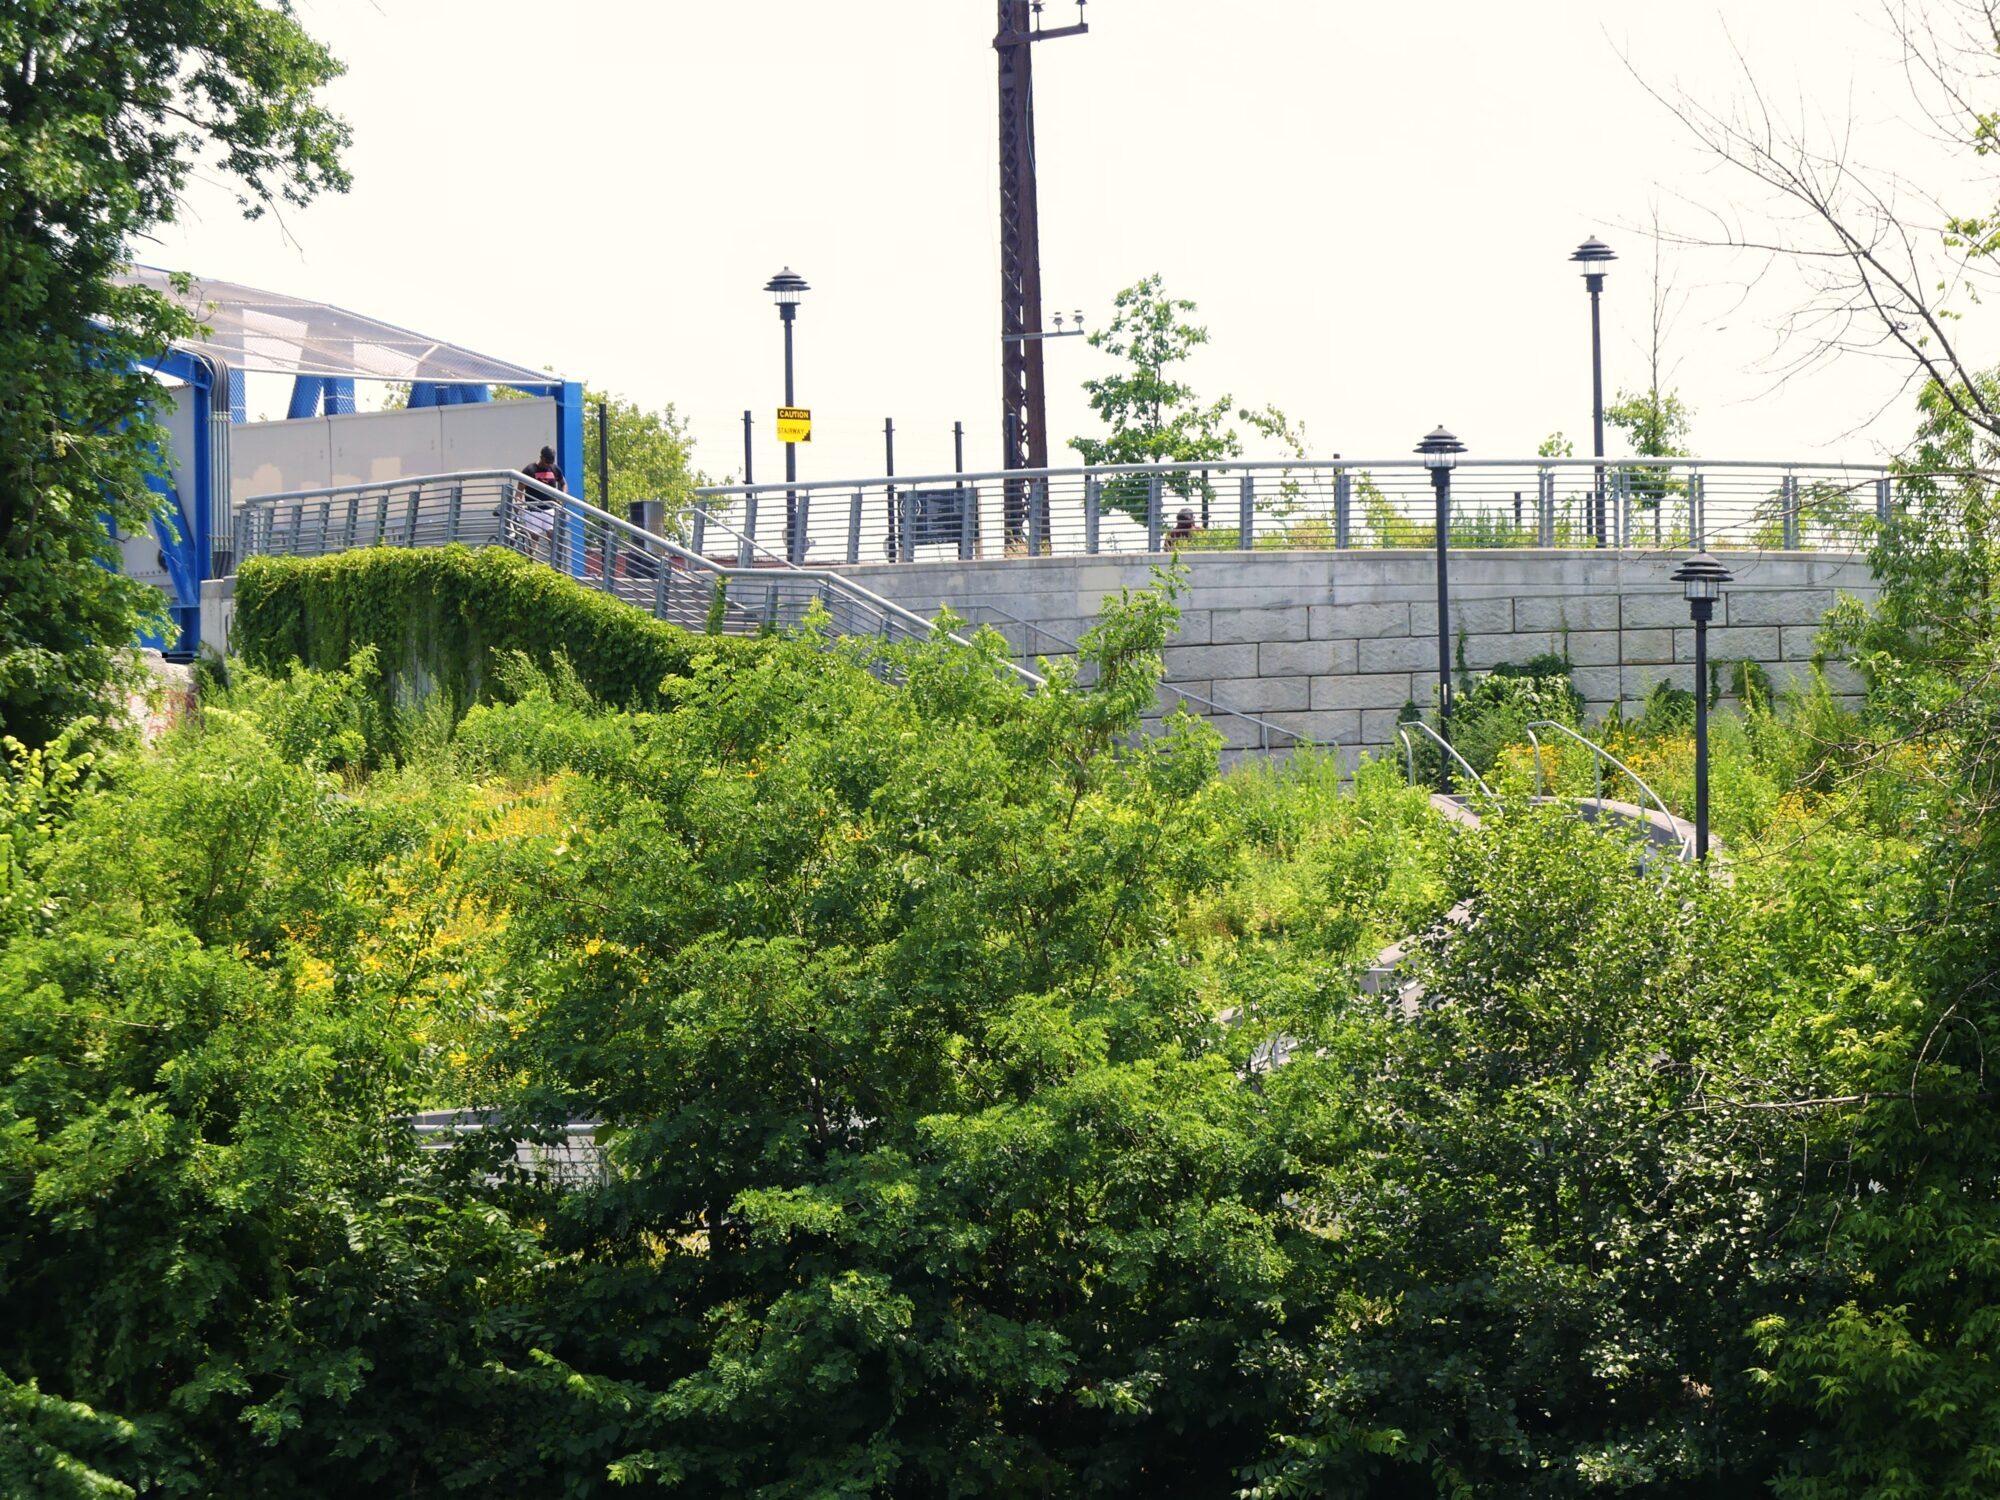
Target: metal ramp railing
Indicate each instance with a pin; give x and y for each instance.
(1403, 731)
(1675, 830)
(1599, 758)
(502, 507)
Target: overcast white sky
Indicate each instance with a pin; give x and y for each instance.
(1372, 204)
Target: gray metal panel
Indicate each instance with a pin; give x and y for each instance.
(499, 435)
(267, 457)
(372, 446)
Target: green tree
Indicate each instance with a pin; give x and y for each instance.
(1154, 417)
(1549, 1214)
(651, 457)
(223, 1246)
(1897, 1357)
(933, 1172)
(104, 111)
(1656, 423)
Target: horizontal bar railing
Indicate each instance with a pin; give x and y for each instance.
(1632, 503)
(506, 508)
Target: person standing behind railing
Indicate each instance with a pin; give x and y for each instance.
(538, 512)
(1183, 529)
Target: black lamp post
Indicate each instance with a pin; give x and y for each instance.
(786, 288)
(1701, 578)
(1440, 450)
(1594, 255)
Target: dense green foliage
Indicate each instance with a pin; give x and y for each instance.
(104, 111)
(984, 1100)
(437, 619)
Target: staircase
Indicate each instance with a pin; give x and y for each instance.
(744, 595)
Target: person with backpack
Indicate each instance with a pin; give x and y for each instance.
(538, 511)
(544, 471)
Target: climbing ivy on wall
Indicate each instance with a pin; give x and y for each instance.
(436, 618)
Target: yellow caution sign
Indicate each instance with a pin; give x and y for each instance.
(795, 424)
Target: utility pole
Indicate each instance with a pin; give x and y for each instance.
(1023, 404)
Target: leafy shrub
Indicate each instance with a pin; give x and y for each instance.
(1494, 711)
(436, 617)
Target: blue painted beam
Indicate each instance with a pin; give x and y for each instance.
(339, 396)
(305, 397)
(569, 454)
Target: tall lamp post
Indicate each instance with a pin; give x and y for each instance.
(1594, 255)
(786, 288)
(1701, 577)
(1440, 451)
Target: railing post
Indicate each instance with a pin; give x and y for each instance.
(410, 516)
(1152, 513)
(1093, 508)
(504, 514)
(609, 563)
(1791, 504)
(698, 530)
(662, 578)
(1545, 506)
(1246, 521)
(801, 530)
(906, 512)
(1883, 499)
(353, 518)
(1697, 511)
(854, 527)
(968, 513)
(1343, 508)
(452, 515)
(1624, 507)
(325, 523)
(382, 519)
(747, 553)
(1037, 491)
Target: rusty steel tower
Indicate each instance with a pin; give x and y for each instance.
(1024, 411)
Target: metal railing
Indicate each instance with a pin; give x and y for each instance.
(1645, 503)
(1599, 756)
(1403, 731)
(501, 507)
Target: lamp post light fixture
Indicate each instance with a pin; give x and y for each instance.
(786, 288)
(1440, 450)
(1594, 255)
(1701, 578)
(1061, 332)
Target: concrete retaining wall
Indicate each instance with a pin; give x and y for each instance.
(1332, 644)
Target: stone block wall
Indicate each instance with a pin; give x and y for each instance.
(1332, 644)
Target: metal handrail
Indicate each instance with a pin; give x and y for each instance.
(1315, 465)
(1410, 755)
(1640, 503)
(1598, 756)
(513, 482)
(710, 518)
